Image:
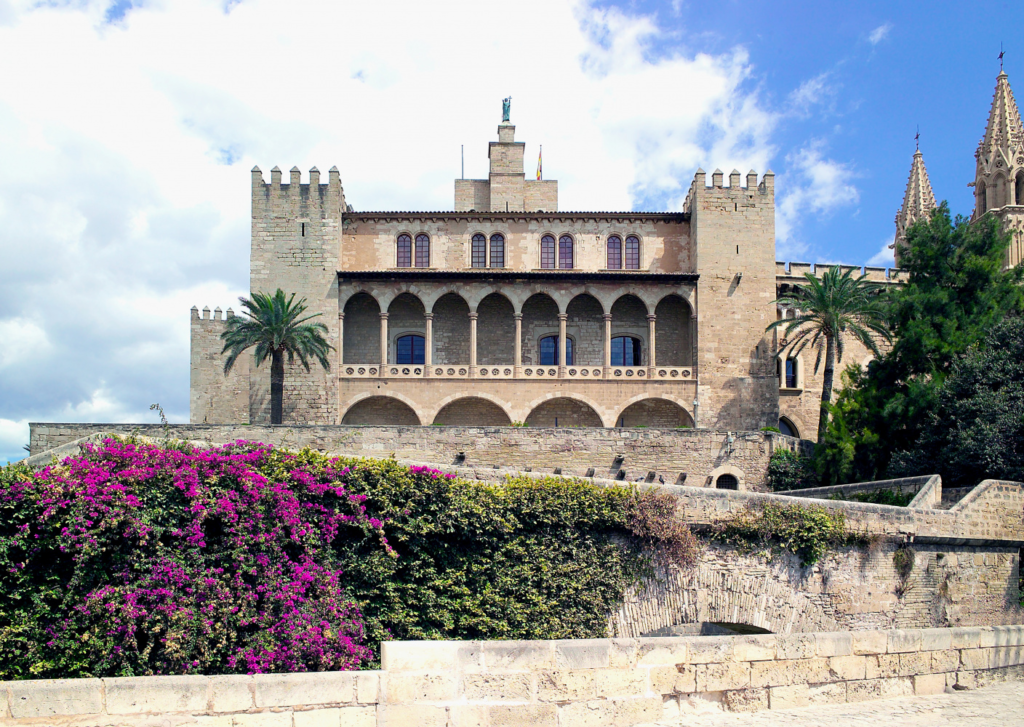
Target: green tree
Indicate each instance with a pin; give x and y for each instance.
(829, 308)
(955, 294)
(977, 427)
(276, 327)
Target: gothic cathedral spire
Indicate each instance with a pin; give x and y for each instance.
(918, 202)
(999, 180)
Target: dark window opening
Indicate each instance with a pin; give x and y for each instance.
(632, 253)
(614, 253)
(547, 252)
(626, 351)
(422, 251)
(404, 251)
(549, 351)
(410, 350)
(786, 427)
(303, 229)
(790, 373)
(565, 252)
(479, 251)
(727, 482)
(497, 251)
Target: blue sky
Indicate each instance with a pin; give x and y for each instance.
(127, 144)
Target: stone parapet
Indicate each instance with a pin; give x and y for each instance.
(571, 683)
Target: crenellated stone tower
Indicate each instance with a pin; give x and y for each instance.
(999, 179)
(918, 202)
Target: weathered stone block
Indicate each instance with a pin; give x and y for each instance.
(708, 649)
(721, 677)
(915, 662)
(231, 693)
(966, 680)
(827, 693)
(965, 638)
(944, 661)
(262, 719)
(429, 655)
(561, 685)
(497, 687)
(787, 697)
(789, 671)
(929, 684)
(611, 713)
(582, 653)
(974, 659)
(754, 648)
(847, 668)
(413, 715)
(619, 683)
(986, 637)
(901, 641)
(52, 697)
(368, 687)
(870, 642)
(354, 717)
(130, 695)
(795, 646)
(882, 666)
(878, 689)
(323, 717)
(309, 688)
(403, 688)
(541, 715)
(834, 644)
(518, 654)
(678, 679)
(936, 639)
(668, 650)
(746, 700)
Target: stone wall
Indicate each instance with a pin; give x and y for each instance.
(615, 682)
(216, 397)
(667, 452)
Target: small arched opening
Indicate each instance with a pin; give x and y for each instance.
(495, 331)
(451, 330)
(564, 412)
(362, 330)
(655, 412)
(406, 330)
(787, 427)
(381, 410)
(672, 332)
(472, 411)
(727, 482)
(1019, 188)
(540, 320)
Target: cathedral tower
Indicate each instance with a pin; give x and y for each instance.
(918, 202)
(999, 180)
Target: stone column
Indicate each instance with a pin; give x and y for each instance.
(472, 343)
(651, 362)
(383, 342)
(341, 340)
(562, 317)
(607, 344)
(428, 343)
(517, 371)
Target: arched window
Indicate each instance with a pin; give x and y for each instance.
(547, 252)
(404, 251)
(727, 482)
(982, 199)
(565, 252)
(422, 251)
(497, 251)
(788, 373)
(632, 253)
(615, 253)
(549, 351)
(626, 351)
(787, 427)
(1020, 188)
(479, 251)
(410, 350)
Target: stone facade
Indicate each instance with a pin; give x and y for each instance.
(615, 682)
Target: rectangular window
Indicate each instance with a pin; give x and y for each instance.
(479, 251)
(632, 253)
(790, 373)
(497, 251)
(404, 251)
(422, 251)
(565, 253)
(410, 350)
(614, 253)
(547, 252)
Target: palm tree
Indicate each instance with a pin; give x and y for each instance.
(275, 326)
(826, 310)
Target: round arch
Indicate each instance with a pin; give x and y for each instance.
(361, 329)
(728, 471)
(563, 411)
(786, 423)
(379, 410)
(472, 411)
(666, 407)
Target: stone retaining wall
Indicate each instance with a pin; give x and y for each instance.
(702, 454)
(607, 682)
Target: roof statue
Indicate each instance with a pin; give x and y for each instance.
(506, 109)
(918, 202)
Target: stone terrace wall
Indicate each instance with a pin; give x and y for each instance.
(613, 682)
(700, 453)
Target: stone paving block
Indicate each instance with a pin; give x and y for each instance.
(787, 697)
(721, 677)
(51, 697)
(405, 687)
(678, 679)
(746, 700)
(538, 715)
(582, 653)
(834, 644)
(308, 688)
(656, 651)
(231, 693)
(497, 687)
(128, 695)
(929, 684)
(870, 642)
(904, 640)
(413, 715)
(518, 655)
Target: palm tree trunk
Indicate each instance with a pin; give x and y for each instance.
(826, 385)
(277, 386)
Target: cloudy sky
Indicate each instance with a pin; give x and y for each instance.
(128, 129)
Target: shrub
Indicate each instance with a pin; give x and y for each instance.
(137, 559)
(808, 532)
(895, 497)
(788, 470)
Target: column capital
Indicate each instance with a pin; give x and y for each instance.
(473, 315)
(563, 316)
(383, 316)
(607, 316)
(651, 317)
(341, 315)
(517, 316)
(428, 316)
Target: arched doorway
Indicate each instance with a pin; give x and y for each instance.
(564, 412)
(406, 330)
(787, 427)
(472, 411)
(540, 320)
(451, 330)
(381, 410)
(629, 323)
(362, 330)
(672, 332)
(495, 331)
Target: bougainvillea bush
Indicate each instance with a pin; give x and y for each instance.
(139, 558)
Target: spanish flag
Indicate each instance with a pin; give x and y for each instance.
(540, 163)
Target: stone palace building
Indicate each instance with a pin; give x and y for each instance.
(508, 310)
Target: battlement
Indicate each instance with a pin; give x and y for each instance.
(310, 199)
(217, 313)
(736, 189)
(784, 270)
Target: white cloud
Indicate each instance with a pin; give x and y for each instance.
(884, 257)
(13, 437)
(124, 193)
(812, 92)
(813, 186)
(879, 34)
